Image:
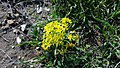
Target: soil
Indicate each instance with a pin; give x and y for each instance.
(11, 55)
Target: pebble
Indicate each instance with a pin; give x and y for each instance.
(23, 26)
(37, 48)
(15, 66)
(13, 47)
(47, 9)
(19, 57)
(18, 40)
(39, 9)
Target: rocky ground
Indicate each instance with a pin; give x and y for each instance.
(12, 16)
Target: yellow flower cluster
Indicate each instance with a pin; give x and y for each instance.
(55, 32)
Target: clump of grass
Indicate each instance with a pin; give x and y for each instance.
(97, 24)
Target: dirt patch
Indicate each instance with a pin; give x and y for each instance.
(11, 55)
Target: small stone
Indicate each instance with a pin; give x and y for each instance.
(14, 31)
(17, 15)
(13, 47)
(39, 9)
(23, 27)
(15, 66)
(19, 57)
(5, 27)
(47, 9)
(10, 21)
(4, 32)
(37, 48)
(18, 40)
(22, 58)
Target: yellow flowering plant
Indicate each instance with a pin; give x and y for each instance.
(57, 34)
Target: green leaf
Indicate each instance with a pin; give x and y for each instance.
(117, 53)
(59, 63)
(87, 46)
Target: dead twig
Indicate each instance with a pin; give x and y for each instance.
(5, 39)
(6, 54)
(11, 11)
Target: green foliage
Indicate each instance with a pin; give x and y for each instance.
(57, 42)
(97, 23)
(34, 35)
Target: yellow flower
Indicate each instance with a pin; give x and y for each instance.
(55, 33)
(71, 44)
(70, 37)
(65, 20)
(61, 52)
(46, 46)
(75, 37)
